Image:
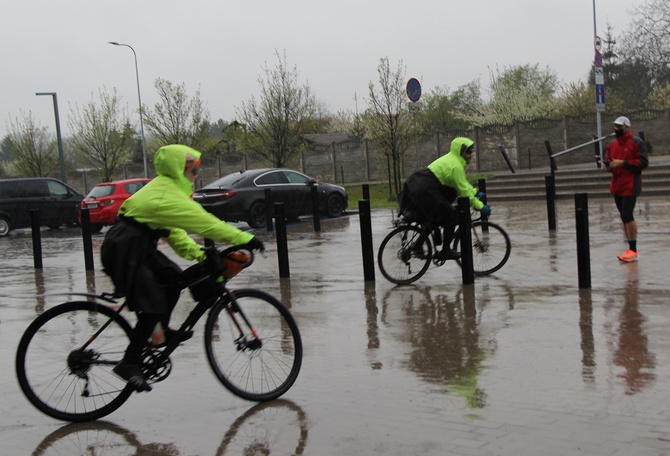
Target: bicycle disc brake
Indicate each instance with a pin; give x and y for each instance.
(248, 344)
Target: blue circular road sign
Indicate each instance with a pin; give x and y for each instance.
(414, 89)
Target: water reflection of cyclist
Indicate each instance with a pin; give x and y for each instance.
(432, 191)
(145, 276)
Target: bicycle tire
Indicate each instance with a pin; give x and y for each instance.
(60, 381)
(396, 259)
(95, 437)
(256, 373)
(490, 248)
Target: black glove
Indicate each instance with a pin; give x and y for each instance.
(213, 261)
(255, 244)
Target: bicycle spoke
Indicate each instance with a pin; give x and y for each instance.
(60, 378)
(263, 361)
(404, 255)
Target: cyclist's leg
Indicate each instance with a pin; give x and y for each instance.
(130, 368)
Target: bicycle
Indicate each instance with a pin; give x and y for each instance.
(408, 250)
(65, 357)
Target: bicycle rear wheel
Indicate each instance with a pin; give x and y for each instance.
(491, 247)
(255, 350)
(403, 257)
(64, 373)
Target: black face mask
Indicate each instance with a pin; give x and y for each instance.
(619, 132)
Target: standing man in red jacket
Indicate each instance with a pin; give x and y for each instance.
(626, 158)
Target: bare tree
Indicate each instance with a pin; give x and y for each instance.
(102, 136)
(277, 122)
(177, 119)
(34, 149)
(648, 38)
(387, 118)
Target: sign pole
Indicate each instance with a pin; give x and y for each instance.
(600, 107)
(414, 94)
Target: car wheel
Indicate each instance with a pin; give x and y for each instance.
(96, 228)
(257, 217)
(334, 205)
(5, 227)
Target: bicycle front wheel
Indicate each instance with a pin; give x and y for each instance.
(404, 256)
(254, 347)
(491, 247)
(65, 370)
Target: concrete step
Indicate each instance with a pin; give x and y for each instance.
(531, 185)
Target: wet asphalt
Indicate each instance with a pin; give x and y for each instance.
(523, 362)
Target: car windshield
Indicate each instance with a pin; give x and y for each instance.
(227, 181)
(101, 190)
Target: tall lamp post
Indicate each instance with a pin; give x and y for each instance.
(61, 159)
(598, 108)
(139, 97)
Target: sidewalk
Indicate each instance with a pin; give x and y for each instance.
(520, 363)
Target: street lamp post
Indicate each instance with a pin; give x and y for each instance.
(598, 117)
(61, 159)
(139, 97)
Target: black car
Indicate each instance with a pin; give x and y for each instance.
(57, 203)
(241, 196)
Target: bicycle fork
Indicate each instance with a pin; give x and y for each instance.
(242, 342)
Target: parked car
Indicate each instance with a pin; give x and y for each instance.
(104, 200)
(241, 196)
(58, 203)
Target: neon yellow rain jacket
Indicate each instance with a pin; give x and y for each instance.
(450, 171)
(165, 203)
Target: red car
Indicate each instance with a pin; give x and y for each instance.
(104, 200)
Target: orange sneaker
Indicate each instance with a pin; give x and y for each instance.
(628, 256)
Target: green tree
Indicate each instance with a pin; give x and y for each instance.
(387, 118)
(177, 118)
(276, 123)
(34, 149)
(517, 94)
(446, 111)
(102, 136)
(659, 98)
(576, 98)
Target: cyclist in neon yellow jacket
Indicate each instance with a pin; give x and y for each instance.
(432, 192)
(162, 209)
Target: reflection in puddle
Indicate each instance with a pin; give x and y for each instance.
(443, 334)
(277, 427)
(632, 352)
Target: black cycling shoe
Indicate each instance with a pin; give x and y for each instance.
(170, 334)
(132, 374)
(448, 254)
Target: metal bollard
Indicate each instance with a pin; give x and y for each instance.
(315, 209)
(481, 186)
(467, 266)
(37, 238)
(282, 243)
(268, 210)
(86, 237)
(366, 240)
(366, 192)
(550, 187)
(583, 249)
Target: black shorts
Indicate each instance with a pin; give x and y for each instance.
(626, 207)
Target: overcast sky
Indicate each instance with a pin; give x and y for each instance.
(221, 46)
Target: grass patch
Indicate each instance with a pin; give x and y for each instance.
(379, 192)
